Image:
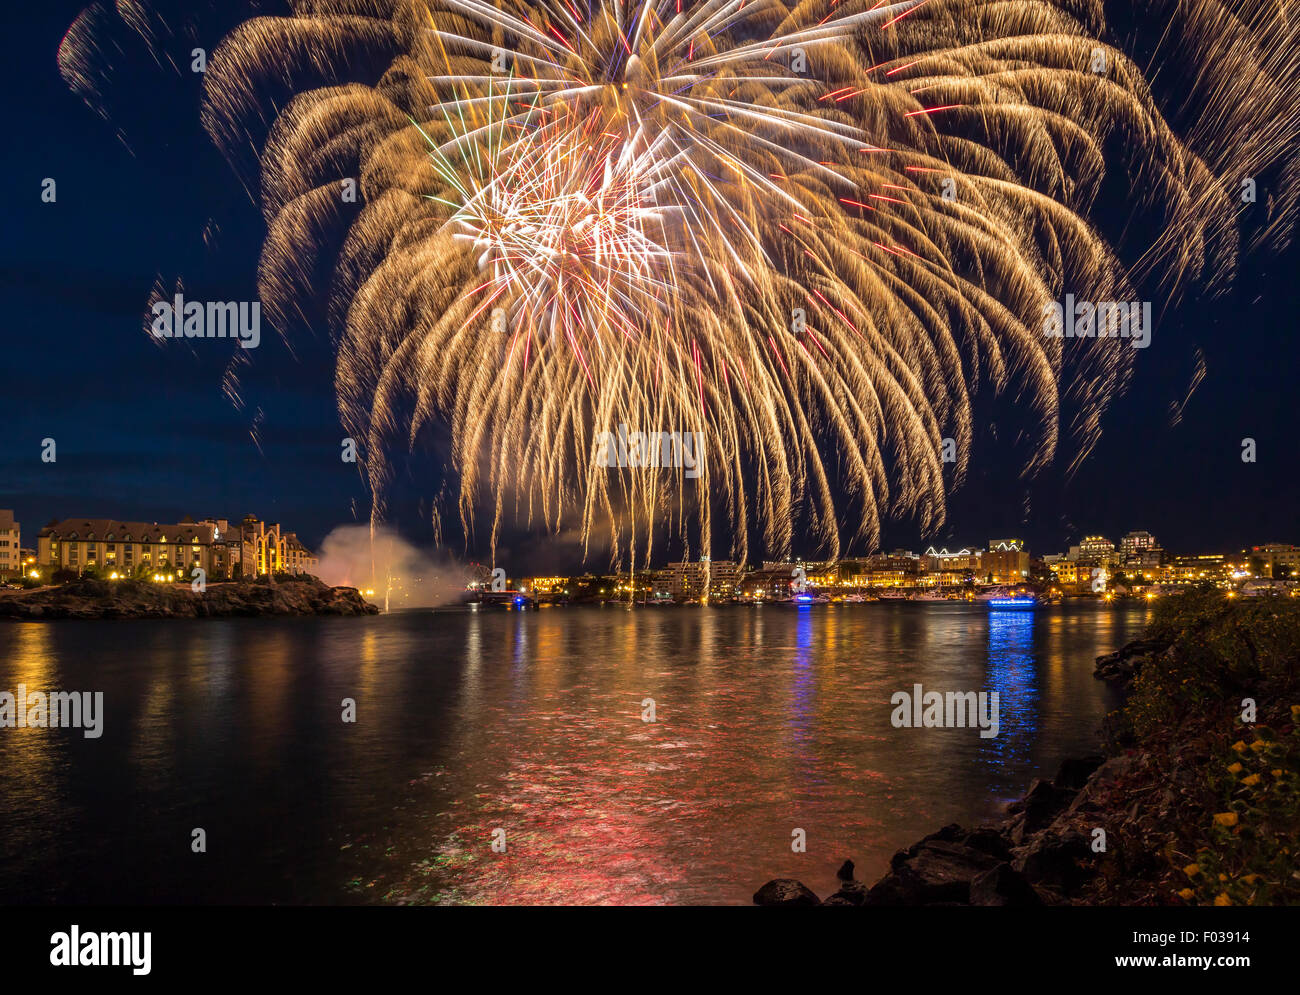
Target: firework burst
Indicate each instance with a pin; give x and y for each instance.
(807, 233)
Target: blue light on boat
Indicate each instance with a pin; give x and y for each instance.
(1012, 602)
(804, 599)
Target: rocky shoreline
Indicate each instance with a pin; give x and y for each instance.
(1043, 853)
(121, 599)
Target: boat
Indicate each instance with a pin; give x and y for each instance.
(1014, 603)
(808, 598)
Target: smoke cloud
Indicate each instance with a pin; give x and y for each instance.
(388, 570)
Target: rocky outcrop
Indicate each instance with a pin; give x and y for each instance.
(1123, 665)
(89, 599)
(1040, 855)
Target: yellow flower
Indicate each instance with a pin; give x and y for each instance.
(1191, 870)
(1259, 746)
(1252, 780)
(1239, 746)
(1225, 819)
(1295, 712)
(1222, 899)
(1250, 878)
(1223, 877)
(1235, 768)
(1277, 771)
(1187, 894)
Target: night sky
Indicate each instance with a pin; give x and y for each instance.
(146, 433)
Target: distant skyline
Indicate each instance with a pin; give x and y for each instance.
(145, 432)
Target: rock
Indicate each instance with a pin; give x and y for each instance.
(90, 598)
(845, 873)
(1043, 803)
(1099, 785)
(850, 893)
(984, 839)
(785, 891)
(1074, 772)
(1125, 662)
(1003, 885)
(931, 872)
(1054, 861)
(839, 898)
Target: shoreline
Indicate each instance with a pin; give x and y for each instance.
(1191, 799)
(140, 599)
(1040, 854)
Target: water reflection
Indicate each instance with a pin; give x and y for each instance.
(1013, 676)
(768, 719)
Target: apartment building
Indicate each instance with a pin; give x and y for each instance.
(11, 553)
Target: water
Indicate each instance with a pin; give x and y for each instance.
(769, 720)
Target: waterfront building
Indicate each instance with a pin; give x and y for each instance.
(253, 548)
(1275, 560)
(250, 548)
(554, 585)
(125, 548)
(773, 583)
(1006, 561)
(1195, 569)
(952, 567)
(693, 580)
(11, 552)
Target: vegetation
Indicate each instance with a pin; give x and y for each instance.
(1212, 721)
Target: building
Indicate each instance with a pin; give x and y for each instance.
(694, 580)
(1066, 573)
(1275, 560)
(962, 559)
(128, 549)
(11, 553)
(1135, 544)
(545, 585)
(1002, 545)
(1213, 567)
(254, 548)
(949, 569)
(140, 549)
(1093, 549)
(1006, 561)
(768, 583)
(897, 569)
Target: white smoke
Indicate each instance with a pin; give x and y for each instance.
(388, 570)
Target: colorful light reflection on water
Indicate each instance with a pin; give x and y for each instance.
(769, 719)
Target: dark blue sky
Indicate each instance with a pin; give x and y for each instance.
(146, 433)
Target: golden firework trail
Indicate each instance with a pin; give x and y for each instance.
(807, 233)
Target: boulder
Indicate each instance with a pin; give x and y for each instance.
(1074, 772)
(850, 893)
(934, 871)
(1055, 861)
(785, 891)
(1043, 803)
(1003, 885)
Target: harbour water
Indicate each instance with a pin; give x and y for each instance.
(527, 729)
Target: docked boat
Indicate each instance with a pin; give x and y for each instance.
(1022, 602)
